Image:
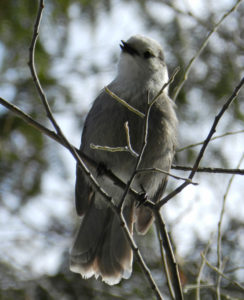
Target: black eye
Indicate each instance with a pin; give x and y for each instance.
(148, 54)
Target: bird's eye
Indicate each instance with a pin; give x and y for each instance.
(148, 54)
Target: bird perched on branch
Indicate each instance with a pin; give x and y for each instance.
(101, 247)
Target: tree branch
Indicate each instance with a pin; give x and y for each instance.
(53, 135)
(157, 170)
(219, 238)
(124, 103)
(199, 276)
(170, 255)
(209, 170)
(165, 263)
(205, 144)
(235, 283)
(212, 139)
(75, 154)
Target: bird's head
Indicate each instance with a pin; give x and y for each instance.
(142, 59)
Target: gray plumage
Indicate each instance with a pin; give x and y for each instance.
(101, 248)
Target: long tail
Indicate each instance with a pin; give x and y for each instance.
(101, 248)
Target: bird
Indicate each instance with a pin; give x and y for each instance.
(101, 248)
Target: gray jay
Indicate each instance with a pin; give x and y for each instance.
(101, 248)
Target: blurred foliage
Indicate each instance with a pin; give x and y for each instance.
(26, 156)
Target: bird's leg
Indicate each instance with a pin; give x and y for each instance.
(101, 169)
(143, 197)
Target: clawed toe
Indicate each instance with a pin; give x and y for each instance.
(142, 197)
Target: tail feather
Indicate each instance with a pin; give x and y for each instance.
(101, 247)
(144, 219)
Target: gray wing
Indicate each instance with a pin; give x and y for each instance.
(104, 126)
(83, 192)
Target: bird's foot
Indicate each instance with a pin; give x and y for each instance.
(101, 169)
(142, 197)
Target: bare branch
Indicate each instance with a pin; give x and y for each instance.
(30, 121)
(127, 148)
(189, 287)
(75, 154)
(219, 239)
(166, 173)
(51, 134)
(235, 283)
(50, 116)
(117, 181)
(78, 155)
(235, 269)
(204, 44)
(214, 126)
(165, 264)
(188, 13)
(199, 276)
(171, 79)
(171, 262)
(60, 138)
(127, 132)
(212, 139)
(124, 103)
(31, 64)
(138, 255)
(210, 170)
(113, 149)
(205, 144)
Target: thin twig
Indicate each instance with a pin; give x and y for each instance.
(138, 255)
(53, 135)
(189, 287)
(235, 269)
(187, 13)
(50, 116)
(127, 148)
(210, 170)
(32, 67)
(205, 144)
(124, 103)
(30, 121)
(157, 170)
(175, 277)
(212, 139)
(235, 283)
(113, 149)
(172, 78)
(204, 44)
(214, 126)
(164, 260)
(219, 278)
(199, 276)
(219, 238)
(127, 132)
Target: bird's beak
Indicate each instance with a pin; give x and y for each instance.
(127, 48)
(123, 45)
